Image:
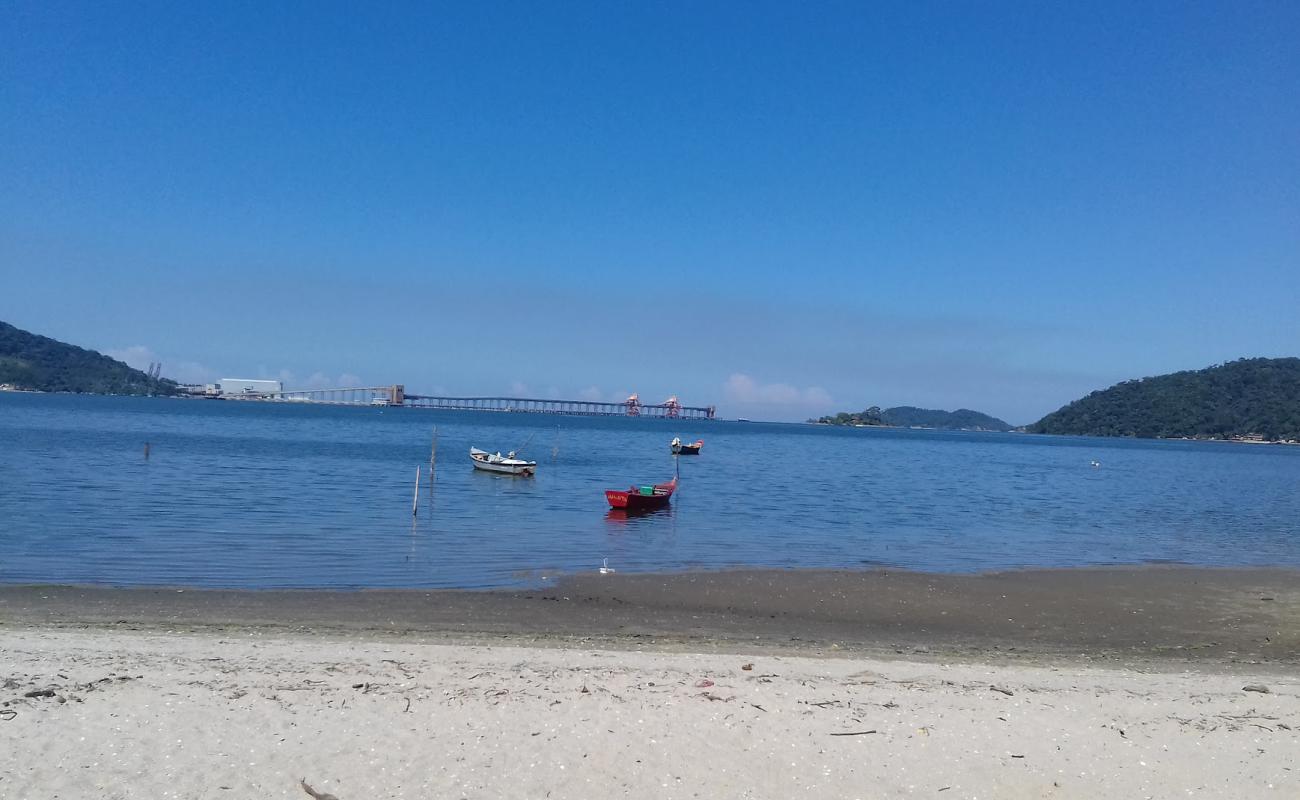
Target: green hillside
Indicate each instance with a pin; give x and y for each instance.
(30, 361)
(1252, 396)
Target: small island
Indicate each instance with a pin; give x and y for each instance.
(963, 419)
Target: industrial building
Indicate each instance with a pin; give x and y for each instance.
(245, 386)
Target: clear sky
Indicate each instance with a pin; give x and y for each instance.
(785, 209)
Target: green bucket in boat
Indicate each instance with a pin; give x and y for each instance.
(647, 490)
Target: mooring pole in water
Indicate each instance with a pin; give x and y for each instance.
(415, 503)
(146, 451)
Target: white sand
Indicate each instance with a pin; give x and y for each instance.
(208, 717)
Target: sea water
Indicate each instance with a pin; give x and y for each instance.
(260, 495)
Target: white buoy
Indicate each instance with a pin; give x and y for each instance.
(1096, 463)
(605, 568)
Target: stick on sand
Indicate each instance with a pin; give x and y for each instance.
(306, 787)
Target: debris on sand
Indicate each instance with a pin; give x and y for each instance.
(306, 787)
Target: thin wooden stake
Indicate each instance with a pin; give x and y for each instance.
(415, 504)
(146, 451)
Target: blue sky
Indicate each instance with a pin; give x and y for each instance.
(783, 209)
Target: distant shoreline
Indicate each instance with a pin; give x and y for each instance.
(1021, 430)
(905, 427)
(810, 423)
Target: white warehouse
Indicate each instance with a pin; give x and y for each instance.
(241, 386)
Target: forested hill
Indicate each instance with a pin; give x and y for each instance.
(963, 419)
(30, 361)
(1253, 396)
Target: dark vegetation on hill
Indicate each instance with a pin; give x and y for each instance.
(31, 361)
(963, 419)
(910, 416)
(1252, 396)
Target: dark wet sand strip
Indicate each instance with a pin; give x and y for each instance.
(1160, 616)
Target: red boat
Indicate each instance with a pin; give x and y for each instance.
(642, 498)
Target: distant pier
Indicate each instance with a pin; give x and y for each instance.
(670, 409)
(396, 395)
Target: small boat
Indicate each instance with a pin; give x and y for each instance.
(681, 448)
(505, 464)
(642, 498)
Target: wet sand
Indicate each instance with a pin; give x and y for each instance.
(1128, 616)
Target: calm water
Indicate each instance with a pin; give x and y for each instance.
(262, 495)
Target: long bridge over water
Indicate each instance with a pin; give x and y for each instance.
(396, 395)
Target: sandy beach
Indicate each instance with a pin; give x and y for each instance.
(175, 693)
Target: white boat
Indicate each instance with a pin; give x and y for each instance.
(506, 464)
